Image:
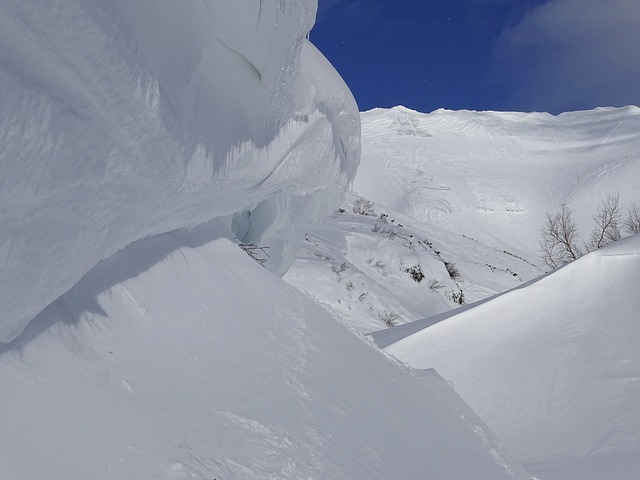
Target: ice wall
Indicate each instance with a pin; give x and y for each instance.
(121, 120)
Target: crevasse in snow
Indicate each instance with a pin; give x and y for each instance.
(121, 120)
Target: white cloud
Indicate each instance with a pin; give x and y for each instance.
(573, 54)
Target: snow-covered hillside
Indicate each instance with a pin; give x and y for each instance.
(386, 268)
(121, 120)
(182, 358)
(493, 175)
(553, 367)
(470, 189)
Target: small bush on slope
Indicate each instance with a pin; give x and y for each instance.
(363, 207)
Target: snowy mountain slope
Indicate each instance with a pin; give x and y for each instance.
(493, 175)
(182, 358)
(553, 367)
(368, 269)
(121, 120)
(470, 189)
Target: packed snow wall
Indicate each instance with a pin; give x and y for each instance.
(121, 120)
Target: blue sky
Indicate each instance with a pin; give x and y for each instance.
(544, 55)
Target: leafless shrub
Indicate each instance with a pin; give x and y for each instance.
(632, 222)
(453, 271)
(363, 207)
(458, 297)
(390, 319)
(558, 239)
(435, 284)
(338, 269)
(607, 220)
(379, 265)
(259, 254)
(390, 232)
(362, 297)
(415, 272)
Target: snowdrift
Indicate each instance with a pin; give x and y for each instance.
(182, 358)
(122, 120)
(552, 367)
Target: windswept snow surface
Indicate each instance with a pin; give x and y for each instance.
(181, 358)
(122, 120)
(553, 367)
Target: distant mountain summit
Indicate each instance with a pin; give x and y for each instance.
(493, 175)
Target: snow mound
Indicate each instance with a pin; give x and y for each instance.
(182, 358)
(553, 367)
(122, 120)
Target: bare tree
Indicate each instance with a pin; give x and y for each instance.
(259, 254)
(363, 207)
(558, 239)
(632, 223)
(607, 220)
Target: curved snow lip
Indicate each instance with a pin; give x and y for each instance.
(629, 246)
(138, 121)
(389, 336)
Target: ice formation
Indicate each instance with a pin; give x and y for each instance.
(122, 120)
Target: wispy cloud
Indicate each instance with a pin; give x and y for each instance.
(573, 54)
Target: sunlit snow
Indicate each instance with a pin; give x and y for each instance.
(142, 144)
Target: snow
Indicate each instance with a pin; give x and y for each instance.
(182, 358)
(122, 120)
(358, 267)
(468, 188)
(492, 176)
(552, 367)
(142, 144)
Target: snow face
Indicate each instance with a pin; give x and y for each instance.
(552, 366)
(182, 358)
(121, 120)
